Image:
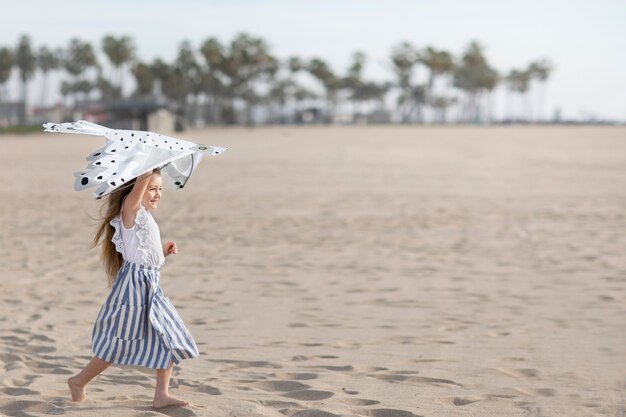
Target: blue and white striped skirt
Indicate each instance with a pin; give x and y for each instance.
(138, 325)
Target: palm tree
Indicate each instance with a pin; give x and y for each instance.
(297, 94)
(213, 78)
(26, 63)
(47, 61)
(7, 61)
(354, 83)
(438, 63)
(368, 91)
(190, 74)
(280, 91)
(286, 93)
(518, 81)
(440, 104)
(119, 51)
(251, 63)
(295, 64)
(475, 77)
(540, 70)
(160, 71)
(331, 83)
(404, 57)
(239, 68)
(108, 91)
(79, 57)
(168, 82)
(144, 79)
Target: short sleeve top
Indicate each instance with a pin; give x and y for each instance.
(141, 244)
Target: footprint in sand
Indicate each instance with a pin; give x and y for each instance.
(140, 380)
(298, 376)
(16, 392)
(247, 364)
(500, 333)
(346, 368)
(200, 387)
(309, 395)
(459, 401)
(278, 404)
(453, 328)
(366, 369)
(294, 389)
(24, 407)
(359, 401)
(532, 409)
(537, 392)
(520, 373)
(281, 386)
(389, 412)
(433, 381)
(314, 413)
(391, 377)
(20, 381)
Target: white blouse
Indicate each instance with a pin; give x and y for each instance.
(141, 244)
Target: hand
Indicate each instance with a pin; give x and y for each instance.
(170, 248)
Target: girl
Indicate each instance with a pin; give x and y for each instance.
(137, 324)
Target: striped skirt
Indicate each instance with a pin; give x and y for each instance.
(138, 325)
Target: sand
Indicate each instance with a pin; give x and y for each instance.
(340, 271)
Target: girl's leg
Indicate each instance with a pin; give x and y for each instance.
(79, 382)
(162, 398)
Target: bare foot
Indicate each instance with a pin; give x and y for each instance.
(166, 401)
(78, 391)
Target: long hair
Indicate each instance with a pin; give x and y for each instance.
(111, 258)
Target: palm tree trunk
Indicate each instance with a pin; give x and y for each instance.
(24, 97)
(44, 89)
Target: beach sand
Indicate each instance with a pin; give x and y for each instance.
(340, 271)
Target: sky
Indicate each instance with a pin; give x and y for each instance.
(586, 41)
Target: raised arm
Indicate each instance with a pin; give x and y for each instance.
(133, 199)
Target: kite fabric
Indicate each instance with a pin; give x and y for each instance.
(129, 153)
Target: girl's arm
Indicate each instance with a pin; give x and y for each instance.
(133, 199)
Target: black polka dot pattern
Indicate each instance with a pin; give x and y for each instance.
(119, 146)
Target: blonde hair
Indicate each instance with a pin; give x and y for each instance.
(110, 257)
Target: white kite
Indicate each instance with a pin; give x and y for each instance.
(129, 153)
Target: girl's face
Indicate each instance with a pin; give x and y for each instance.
(152, 195)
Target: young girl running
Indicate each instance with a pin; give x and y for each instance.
(137, 325)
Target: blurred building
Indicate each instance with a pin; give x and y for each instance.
(379, 117)
(141, 114)
(45, 114)
(11, 113)
(310, 115)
